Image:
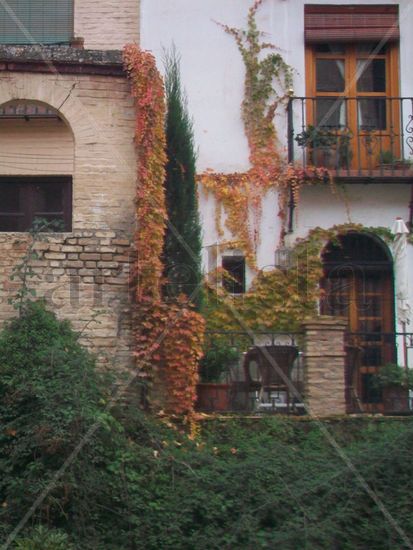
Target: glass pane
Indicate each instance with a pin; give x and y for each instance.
(48, 197)
(48, 206)
(330, 47)
(372, 75)
(372, 114)
(374, 48)
(47, 21)
(371, 355)
(330, 113)
(12, 223)
(234, 282)
(330, 75)
(10, 197)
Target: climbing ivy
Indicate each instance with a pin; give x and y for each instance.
(280, 299)
(267, 86)
(168, 334)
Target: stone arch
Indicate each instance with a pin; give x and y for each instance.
(35, 140)
(47, 89)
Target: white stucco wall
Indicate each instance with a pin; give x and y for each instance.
(212, 74)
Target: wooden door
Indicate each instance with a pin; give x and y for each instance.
(362, 291)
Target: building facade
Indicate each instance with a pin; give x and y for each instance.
(67, 158)
(350, 111)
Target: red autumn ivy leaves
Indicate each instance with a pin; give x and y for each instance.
(169, 335)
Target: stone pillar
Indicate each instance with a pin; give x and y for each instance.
(324, 365)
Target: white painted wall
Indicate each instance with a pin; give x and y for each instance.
(213, 73)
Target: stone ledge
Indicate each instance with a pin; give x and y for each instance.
(61, 59)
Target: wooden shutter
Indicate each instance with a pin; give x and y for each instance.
(348, 23)
(36, 21)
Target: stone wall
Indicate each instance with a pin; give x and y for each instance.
(324, 372)
(84, 275)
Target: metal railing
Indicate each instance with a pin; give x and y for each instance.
(353, 136)
(369, 356)
(230, 382)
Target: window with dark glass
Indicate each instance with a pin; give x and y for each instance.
(36, 21)
(352, 90)
(23, 200)
(234, 278)
(351, 86)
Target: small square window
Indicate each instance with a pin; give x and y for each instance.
(234, 280)
(23, 200)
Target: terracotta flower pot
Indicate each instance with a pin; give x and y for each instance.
(213, 397)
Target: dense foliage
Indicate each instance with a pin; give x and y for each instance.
(182, 248)
(168, 333)
(51, 400)
(135, 483)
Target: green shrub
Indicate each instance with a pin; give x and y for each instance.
(216, 362)
(242, 483)
(44, 539)
(50, 397)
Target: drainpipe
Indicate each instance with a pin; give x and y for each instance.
(290, 137)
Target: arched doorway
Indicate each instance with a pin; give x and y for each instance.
(358, 284)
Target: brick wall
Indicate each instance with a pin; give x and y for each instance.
(84, 275)
(107, 24)
(324, 373)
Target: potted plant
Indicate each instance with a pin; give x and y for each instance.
(345, 153)
(394, 382)
(213, 391)
(387, 159)
(321, 145)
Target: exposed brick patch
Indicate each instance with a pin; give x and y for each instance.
(78, 289)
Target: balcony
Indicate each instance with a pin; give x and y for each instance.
(357, 139)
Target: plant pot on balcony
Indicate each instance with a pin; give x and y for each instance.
(213, 397)
(323, 157)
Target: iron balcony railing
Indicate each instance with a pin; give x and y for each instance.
(370, 385)
(353, 136)
(256, 373)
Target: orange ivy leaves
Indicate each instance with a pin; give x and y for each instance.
(168, 335)
(268, 84)
(148, 89)
(169, 346)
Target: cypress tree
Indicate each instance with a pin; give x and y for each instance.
(182, 248)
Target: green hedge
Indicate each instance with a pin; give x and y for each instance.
(141, 483)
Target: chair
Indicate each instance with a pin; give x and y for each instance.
(267, 370)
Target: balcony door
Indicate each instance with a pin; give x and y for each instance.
(353, 90)
(358, 284)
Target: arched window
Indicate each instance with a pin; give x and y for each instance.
(358, 284)
(36, 167)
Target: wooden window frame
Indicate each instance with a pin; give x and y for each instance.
(350, 57)
(27, 212)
